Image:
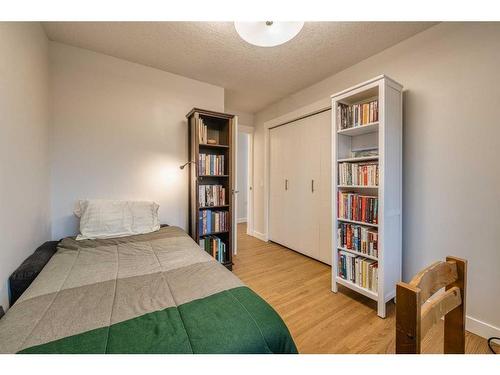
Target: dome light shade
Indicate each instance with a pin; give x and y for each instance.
(268, 33)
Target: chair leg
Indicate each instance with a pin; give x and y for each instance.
(408, 319)
(454, 321)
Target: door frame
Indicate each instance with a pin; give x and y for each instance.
(303, 112)
(250, 188)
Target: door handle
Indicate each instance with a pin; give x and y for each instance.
(286, 184)
(312, 186)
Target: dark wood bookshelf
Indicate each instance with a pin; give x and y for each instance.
(221, 126)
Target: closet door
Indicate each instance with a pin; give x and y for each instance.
(299, 216)
(294, 194)
(276, 187)
(279, 147)
(308, 167)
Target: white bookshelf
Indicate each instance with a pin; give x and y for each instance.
(386, 135)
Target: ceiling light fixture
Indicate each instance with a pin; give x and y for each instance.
(268, 33)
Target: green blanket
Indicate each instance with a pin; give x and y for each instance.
(152, 293)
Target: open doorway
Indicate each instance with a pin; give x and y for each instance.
(245, 179)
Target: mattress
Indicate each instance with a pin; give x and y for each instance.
(151, 293)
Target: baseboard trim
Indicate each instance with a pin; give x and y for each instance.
(241, 220)
(481, 328)
(260, 236)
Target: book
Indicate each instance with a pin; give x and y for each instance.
(213, 221)
(357, 207)
(212, 195)
(358, 270)
(214, 246)
(359, 238)
(364, 153)
(351, 116)
(202, 130)
(211, 165)
(358, 174)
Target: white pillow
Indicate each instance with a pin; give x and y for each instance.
(101, 218)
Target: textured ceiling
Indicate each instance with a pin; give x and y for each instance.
(253, 77)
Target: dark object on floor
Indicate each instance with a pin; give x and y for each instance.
(24, 275)
(490, 342)
(2, 313)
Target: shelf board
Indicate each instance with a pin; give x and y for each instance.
(356, 187)
(358, 159)
(357, 222)
(213, 175)
(358, 130)
(213, 233)
(213, 146)
(358, 253)
(364, 291)
(209, 207)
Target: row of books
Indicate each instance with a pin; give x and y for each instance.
(212, 195)
(215, 247)
(350, 116)
(365, 174)
(357, 207)
(359, 238)
(213, 221)
(205, 134)
(202, 130)
(212, 165)
(358, 270)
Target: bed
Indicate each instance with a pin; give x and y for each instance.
(148, 293)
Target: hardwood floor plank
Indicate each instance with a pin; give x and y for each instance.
(320, 321)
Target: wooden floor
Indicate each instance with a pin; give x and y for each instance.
(320, 321)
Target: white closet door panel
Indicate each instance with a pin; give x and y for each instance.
(307, 181)
(277, 185)
(291, 160)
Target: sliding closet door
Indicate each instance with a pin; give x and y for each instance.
(306, 184)
(300, 207)
(295, 170)
(279, 145)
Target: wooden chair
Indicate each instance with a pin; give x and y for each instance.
(418, 309)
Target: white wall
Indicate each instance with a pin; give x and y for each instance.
(119, 131)
(24, 153)
(451, 155)
(242, 176)
(244, 118)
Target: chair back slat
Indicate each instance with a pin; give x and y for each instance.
(434, 309)
(416, 313)
(434, 277)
